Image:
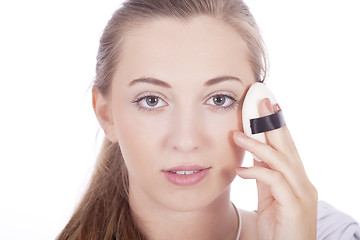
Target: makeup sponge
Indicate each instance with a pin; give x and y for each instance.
(254, 125)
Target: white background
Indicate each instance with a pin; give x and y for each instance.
(48, 142)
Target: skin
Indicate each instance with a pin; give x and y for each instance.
(186, 126)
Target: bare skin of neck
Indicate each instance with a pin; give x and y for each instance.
(218, 220)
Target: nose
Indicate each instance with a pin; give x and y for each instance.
(185, 133)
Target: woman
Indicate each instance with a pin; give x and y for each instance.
(171, 78)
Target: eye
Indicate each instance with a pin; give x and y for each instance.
(221, 100)
(150, 102)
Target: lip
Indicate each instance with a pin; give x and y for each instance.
(186, 180)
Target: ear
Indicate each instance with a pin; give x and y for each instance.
(101, 106)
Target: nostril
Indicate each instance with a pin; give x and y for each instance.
(188, 146)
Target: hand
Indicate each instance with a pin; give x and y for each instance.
(287, 201)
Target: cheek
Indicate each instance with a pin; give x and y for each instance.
(230, 156)
(227, 154)
(137, 143)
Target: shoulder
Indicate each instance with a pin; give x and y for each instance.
(248, 224)
(334, 224)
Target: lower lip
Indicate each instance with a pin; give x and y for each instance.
(186, 180)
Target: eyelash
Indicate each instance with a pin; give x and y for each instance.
(233, 105)
(137, 102)
(149, 109)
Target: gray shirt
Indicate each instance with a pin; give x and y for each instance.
(335, 225)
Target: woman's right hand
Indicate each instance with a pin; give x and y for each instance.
(287, 201)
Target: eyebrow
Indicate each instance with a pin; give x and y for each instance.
(222, 79)
(160, 83)
(151, 81)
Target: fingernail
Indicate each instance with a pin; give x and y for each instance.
(239, 134)
(240, 139)
(240, 169)
(277, 108)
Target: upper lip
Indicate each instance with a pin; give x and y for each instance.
(186, 168)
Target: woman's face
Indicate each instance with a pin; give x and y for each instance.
(175, 101)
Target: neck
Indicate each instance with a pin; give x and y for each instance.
(217, 220)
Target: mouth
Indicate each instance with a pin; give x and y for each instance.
(185, 172)
(186, 175)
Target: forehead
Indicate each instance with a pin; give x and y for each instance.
(166, 48)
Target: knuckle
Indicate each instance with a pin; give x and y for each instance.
(277, 176)
(310, 197)
(314, 192)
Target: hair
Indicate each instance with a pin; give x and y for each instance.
(104, 211)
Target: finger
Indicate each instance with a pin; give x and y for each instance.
(293, 171)
(281, 140)
(279, 187)
(295, 175)
(286, 131)
(262, 151)
(291, 143)
(276, 138)
(264, 193)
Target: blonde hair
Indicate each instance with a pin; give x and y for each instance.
(104, 211)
